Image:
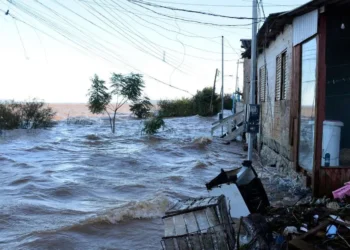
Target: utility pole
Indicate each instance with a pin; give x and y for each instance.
(237, 77)
(253, 72)
(222, 86)
(213, 93)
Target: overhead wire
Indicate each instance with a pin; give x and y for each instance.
(80, 47)
(190, 55)
(20, 38)
(154, 47)
(135, 42)
(66, 34)
(184, 52)
(217, 5)
(190, 11)
(189, 20)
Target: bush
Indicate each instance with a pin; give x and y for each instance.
(228, 102)
(28, 115)
(152, 125)
(202, 102)
(198, 105)
(10, 116)
(176, 108)
(141, 108)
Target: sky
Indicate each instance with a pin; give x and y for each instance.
(50, 49)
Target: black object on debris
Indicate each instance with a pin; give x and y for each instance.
(199, 224)
(248, 184)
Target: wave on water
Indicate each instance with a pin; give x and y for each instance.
(39, 148)
(3, 158)
(202, 141)
(200, 165)
(93, 137)
(154, 207)
(147, 209)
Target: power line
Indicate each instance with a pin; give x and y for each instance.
(203, 50)
(80, 47)
(152, 46)
(189, 20)
(189, 11)
(219, 5)
(20, 38)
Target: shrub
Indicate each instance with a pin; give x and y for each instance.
(152, 125)
(228, 102)
(198, 105)
(10, 117)
(176, 108)
(29, 115)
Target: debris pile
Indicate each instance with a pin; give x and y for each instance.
(319, 224)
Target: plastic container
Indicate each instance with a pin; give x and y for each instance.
(331, 143)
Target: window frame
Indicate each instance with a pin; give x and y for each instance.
(281, 76)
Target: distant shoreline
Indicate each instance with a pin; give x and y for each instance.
(65, 110)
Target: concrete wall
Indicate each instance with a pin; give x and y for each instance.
(275, 115)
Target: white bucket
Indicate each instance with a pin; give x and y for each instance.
(331, 142)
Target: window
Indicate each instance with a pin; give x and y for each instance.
(262, 83)
(281, 76)
(307, 105)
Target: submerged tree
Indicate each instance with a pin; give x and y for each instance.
(123, 88)
(141, 108)
(152, 125)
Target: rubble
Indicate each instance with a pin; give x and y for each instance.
(310, 225)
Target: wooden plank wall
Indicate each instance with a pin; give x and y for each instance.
(320, 104)
(331, 179)
(295, 105)
(325, 179)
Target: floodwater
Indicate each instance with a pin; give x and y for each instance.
(81, 187)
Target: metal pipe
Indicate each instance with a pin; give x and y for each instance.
(222, 86)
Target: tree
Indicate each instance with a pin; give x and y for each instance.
(152, 125)
(141, 108)
(202, 102)
(123, 87)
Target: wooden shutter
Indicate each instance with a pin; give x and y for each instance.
(284, 76)
(262, 83)
(278, 78)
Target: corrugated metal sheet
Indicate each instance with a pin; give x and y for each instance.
(304, 27)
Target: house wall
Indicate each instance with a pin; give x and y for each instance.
(274, 136)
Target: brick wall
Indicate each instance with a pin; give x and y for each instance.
(275, 115)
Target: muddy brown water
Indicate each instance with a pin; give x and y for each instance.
(81, 187)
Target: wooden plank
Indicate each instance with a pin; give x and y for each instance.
(323, 179)
(295, 106)
(226, 119)
(314, 230)
(320, 103)
(300, 244)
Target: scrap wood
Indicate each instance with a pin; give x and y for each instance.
(340, 223)
(322, 225)
(239, 231)
(300, 244)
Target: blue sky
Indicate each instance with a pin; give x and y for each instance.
(52, 48)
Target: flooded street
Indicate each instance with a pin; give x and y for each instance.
(81, 187)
